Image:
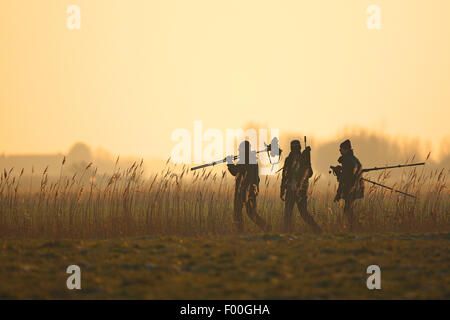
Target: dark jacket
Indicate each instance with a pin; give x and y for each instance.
(296, 172)
(350, 184)
(247, 179)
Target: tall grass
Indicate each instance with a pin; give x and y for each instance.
(177, 201)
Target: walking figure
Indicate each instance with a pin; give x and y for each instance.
(294, 186)
(247, 187)
(351, 186)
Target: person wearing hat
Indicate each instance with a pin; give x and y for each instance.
(294, 186)
(246, 187)
(350, 186)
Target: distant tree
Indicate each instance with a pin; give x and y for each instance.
(79, 153)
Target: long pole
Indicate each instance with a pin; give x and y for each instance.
(393, 167)
(382, 185)
(221, 161)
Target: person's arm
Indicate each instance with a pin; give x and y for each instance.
(311, 172)
(284, 178)
(255, 172)
(359, 166)
(257, 176)
(338, 172)
(306, 154)
(232, 168)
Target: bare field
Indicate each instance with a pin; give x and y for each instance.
(258, 266)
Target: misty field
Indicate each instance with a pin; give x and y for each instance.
(170, 236)
(180, 202)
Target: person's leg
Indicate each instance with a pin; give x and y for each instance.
(302, 202)
(250, 207)
(288, 225)
(238, 219)
(348, 212)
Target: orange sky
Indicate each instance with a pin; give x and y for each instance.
(138, 69)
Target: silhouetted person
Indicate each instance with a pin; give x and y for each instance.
(247, 186)
(350, 186)
(294, 186)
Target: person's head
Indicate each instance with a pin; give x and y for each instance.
(345, 147)
(244, 147)
(296, 146)
(244, 151)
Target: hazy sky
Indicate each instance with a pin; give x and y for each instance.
(139, 69)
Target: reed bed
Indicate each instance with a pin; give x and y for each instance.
(177, 201)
